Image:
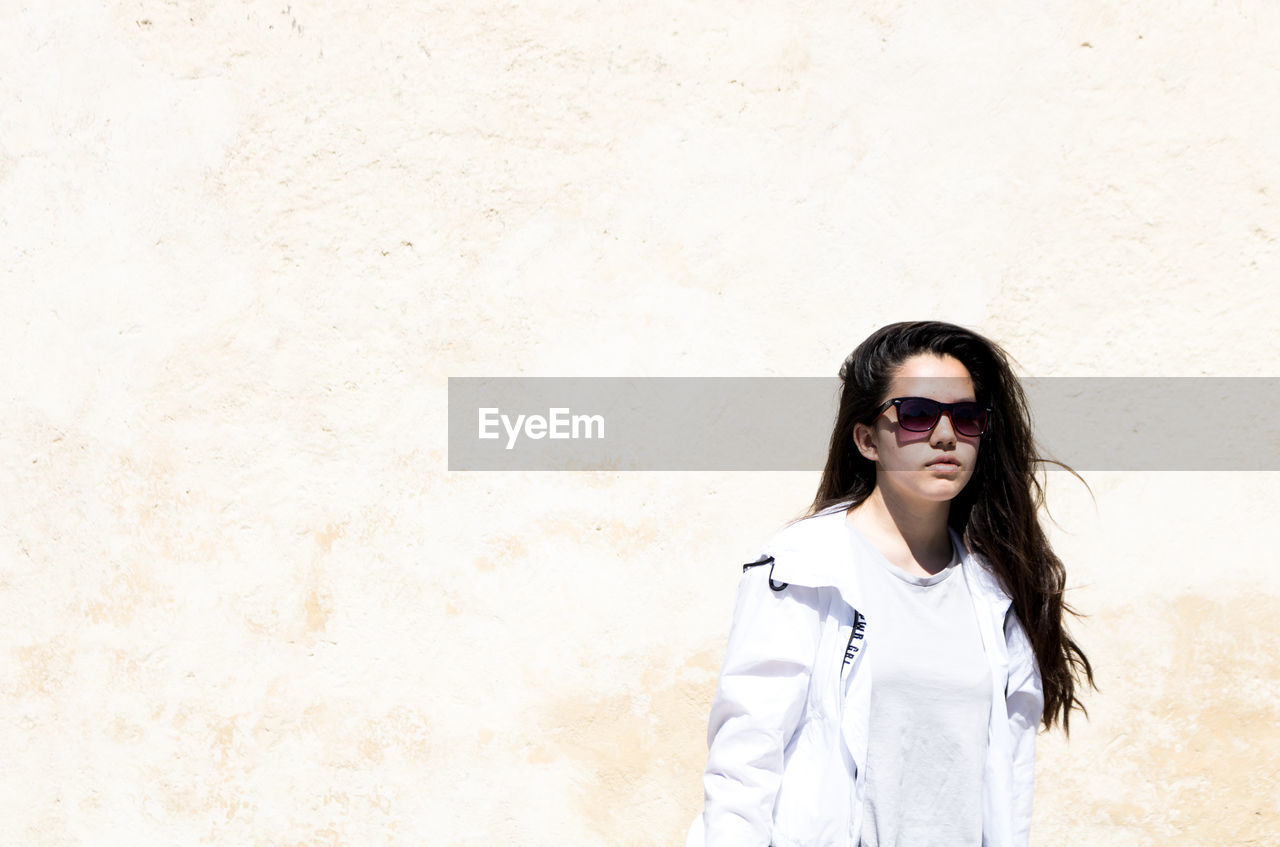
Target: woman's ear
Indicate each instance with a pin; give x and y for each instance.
(864, 438)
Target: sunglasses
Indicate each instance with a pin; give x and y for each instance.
(920, 414)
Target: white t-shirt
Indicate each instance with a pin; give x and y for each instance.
(930, 706)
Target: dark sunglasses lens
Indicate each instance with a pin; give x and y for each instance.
(969, 419)
(917, 414)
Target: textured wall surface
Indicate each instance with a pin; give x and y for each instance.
(244, 243)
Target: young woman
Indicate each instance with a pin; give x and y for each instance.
(894, 652)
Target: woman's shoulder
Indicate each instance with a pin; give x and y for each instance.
(813, 552)
(810, 533)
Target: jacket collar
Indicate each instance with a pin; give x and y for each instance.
(817, 552)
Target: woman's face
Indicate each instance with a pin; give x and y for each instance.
(934, 465)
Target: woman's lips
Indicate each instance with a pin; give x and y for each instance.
(943, 465)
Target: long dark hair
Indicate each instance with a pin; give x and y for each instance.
(997, 511)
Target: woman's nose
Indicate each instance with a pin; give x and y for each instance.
(942, 432)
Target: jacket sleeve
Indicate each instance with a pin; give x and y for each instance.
(1024, 698)
(758, 705)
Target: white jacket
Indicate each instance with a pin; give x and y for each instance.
(789, 723)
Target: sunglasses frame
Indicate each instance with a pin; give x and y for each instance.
(943, 409)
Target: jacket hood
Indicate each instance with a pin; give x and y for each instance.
(817, 551)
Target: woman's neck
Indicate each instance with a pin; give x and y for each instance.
(911, 535)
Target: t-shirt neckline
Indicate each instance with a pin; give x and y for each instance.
(910, 579)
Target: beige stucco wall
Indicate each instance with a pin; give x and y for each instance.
(245, 243)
